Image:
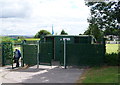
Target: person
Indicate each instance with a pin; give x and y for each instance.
(17, 56)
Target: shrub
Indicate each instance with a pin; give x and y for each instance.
(7, 53)
(112, 59)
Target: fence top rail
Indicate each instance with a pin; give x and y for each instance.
(30, 44)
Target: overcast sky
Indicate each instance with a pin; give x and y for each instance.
(27, 17)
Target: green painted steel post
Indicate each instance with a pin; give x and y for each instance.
(41, 40)
(3, 62)
(22, 54)
(2, 52)
(39, 50)
(12, 55)
(38, 54)
(65, 53)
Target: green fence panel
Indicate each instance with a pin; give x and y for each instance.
(83, 39)
(51, 40)
(57, 42)
(57, 48)
(30, 54)
(83, 54)
(7, 53)
(46, 53)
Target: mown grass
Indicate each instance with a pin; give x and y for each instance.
(32, 39)
(27, 39)
(112, 48)
(100, 75)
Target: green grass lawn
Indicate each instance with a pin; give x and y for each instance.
(112, 48)
(100, 75)
(28, 39)
(32, 39)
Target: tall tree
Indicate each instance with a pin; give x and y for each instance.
(117, 11)
(63, 33)
(95, 31)
(104, 15)
(42, 33)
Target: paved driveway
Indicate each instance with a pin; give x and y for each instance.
(45, 74)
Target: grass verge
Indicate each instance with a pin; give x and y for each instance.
(108, 74)
(32, 39)
(112, 48)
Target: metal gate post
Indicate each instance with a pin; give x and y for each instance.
(12, 55)
(38, 54)
(22, 58)
(3, 62)
(65, 53)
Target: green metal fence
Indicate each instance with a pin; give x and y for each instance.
(30, 54)
(82, 54)
(57, 41)
(46, 53)
(77, 54)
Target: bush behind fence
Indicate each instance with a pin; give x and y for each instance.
(0, 54)
(6, 52)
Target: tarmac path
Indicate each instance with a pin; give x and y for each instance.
(44, 74)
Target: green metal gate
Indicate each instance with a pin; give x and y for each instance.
(37, 54)
(30, 54)
(46, 52)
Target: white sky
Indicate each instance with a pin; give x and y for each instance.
(27, 17)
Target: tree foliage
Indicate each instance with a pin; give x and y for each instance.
(103, 14)
(95, 31)
(42, 33)
(111, 31)
(117, 12)
(104, 18)
(63, 33)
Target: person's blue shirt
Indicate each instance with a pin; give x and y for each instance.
(17, 53)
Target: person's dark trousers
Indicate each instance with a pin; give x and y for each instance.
(17, 62)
